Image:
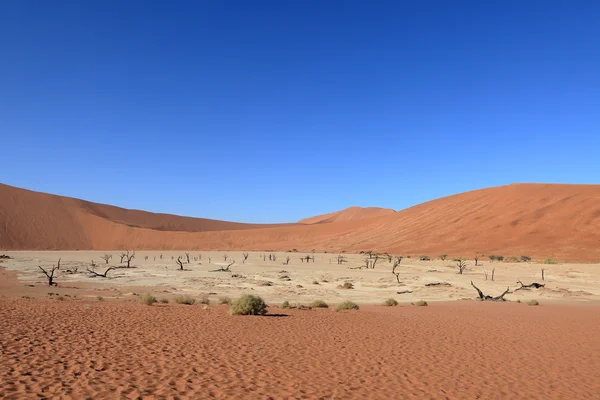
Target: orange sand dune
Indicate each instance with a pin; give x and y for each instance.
(538, 220)
(348, 214)
(459, 350)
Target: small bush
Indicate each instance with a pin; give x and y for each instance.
(224, 300)
(390, 302)
(346, 285)
(315, 282)
(443, 257)
(148, 299)
(519, 301)
(533, 303)
(512, 259)
(525, 258)
(248, 305)
(424, 258)
(285, 304)
(60, 298)
(420, 303)
(549, 261)
(347, 305)
(164, 300)
(319, 304)
(205, 300)
(100, 298)
(500, 258)
(185, 299)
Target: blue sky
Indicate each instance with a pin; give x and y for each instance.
(270, 111)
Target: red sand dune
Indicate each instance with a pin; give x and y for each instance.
(539, 220)
(348, 214)
(459, 350)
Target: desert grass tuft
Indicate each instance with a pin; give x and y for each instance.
(285, 304)
(148, 299)
(248, 305)
(185, 299)
(390, 302)
(319, 304)
(347, 305)
(420, 303)
(533, 303)
(224, 300)
(164, 300)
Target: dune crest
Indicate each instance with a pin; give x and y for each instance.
(348, 214)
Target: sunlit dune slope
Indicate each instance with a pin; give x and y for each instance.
(348, 214)
(538, 220)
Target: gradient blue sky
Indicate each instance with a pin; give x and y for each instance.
(270, 111)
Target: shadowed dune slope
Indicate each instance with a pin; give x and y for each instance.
(348, 214)
(539, 220)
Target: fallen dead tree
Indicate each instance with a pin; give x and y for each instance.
(94, 273)
(484, 297)
(223, 269)
(534, 285)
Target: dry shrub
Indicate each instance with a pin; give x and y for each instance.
(185, 299)
(533, 303)
(390, 302)
(224, 300)
(248, 305)
(347, 305)
(319, 304)
(420, 303)
(148, 299)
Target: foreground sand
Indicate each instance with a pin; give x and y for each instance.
(458, 350)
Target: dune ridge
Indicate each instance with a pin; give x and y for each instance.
(539, 220)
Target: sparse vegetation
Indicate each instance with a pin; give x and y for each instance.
(224, 300)
(549, 261)
(60, 298)
(315, 282)
(443, 257)
(390, 303)
(148, 299)
(346, 285)
(462, 266)
(205, 300)
(424, 258)
(248, 305)
(100, 298)
(319, 304)
(164, 301)
(106, 257)
(500, 258)
(285, 304)
(420, 303)
(525, 258)
(185, 299)
(533, 303)
(347, 305)
(50, 275)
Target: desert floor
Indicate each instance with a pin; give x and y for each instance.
(113, 346)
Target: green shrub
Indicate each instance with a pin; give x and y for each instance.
(500, 258)
(185, 299)
(224, 300)
(248, 305)
(285, 304)
(549, 261)
(319, 304)
(525, 258)
(420, 303)
(424, 258)
(148, 299)
(492, 258)
(390, 302)
(347, 305)
(164, 301)
(512, 259)
(533, 303)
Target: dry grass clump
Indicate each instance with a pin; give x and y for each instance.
(248, 305)
(286, 304)
(319, 304)
(148, 299)
(164, 300)
(224, 300)
(315, 282)
(100, 298)
(533, 303)
(185, 299)
(60, 298)
(266, 283)
(420, 303)
(205, 300)
(347, 305)
(390, 302)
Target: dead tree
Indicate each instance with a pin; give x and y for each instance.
(543, 274)
(399, 259)
(122, 255)
(245, 256)
(160, 256)
(287, 260)
(307, 258)
(493, 270)
(341, 259)
(180, 263)
(107, 258)
(129, 257)
(461, 265)
(225, 257)
(223, 269)
(486, 275)
(367, 263)
(274, 257)
(534, 285)
(50, 275)
(209, 260)
(375, 261)
(389, 256)
(394, 270)
(91, 271)
(490, 298)
(187, 255)
(477, 260)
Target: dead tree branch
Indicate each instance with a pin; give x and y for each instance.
(50, 275)
(534, 285)
(223, 269)
(180, 263)
(490, 298)
(245, 257)
(129, 257)
(394, 270)
(91, 271)
(107, 257)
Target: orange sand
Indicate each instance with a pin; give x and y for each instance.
(458, 350)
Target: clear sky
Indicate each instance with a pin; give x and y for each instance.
(270, 111)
